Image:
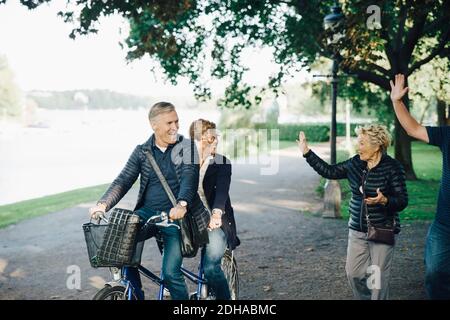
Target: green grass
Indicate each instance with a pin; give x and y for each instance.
(422, 194)
(13, 213)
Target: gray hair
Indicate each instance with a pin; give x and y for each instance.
(160, 108)
(378, 135)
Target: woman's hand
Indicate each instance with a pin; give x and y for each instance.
(216, 221)
(398, 89)
(379, 199)
(302, 143)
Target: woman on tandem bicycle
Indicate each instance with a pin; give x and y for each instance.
(213, 189)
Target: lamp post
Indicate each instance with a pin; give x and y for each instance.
(332, 195)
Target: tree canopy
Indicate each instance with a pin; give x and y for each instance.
(205, 39)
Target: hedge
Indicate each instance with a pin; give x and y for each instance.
(314, 132)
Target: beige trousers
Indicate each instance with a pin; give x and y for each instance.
(368, 267)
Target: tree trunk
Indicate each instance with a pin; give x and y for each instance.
(448, 115)
(441, 108)
(424, 113)
(403, 147)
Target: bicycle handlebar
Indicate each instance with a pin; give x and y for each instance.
(100, 216)
(160, 220)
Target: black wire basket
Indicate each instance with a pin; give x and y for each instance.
(114, 244)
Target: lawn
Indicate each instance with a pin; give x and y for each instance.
(13, 213)
(427, 161)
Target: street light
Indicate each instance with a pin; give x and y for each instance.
(333, 26)
(332, 23)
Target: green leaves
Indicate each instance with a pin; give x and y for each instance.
(204, 39)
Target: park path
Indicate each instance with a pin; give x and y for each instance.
(288, 251)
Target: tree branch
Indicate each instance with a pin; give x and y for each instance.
(413, 35)
(365, 75)
(445, 53)
(388, 45)
(436, 23)
(441, 21)
(440, 48)
(380, 69)
(401, 26)
(373, 78)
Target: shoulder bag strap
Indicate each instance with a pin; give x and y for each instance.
(363, 189)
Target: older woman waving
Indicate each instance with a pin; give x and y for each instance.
(378, 188)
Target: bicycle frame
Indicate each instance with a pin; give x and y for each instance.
(198, 279)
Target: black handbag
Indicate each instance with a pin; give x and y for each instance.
(188, 245)
(381, 235)
(188, 227)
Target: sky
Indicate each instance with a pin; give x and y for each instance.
(43, 57)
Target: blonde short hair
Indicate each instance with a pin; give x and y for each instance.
(159, 108)
(378, 135)
(199, 127)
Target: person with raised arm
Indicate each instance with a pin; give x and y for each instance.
(437, 249)
(378, 188)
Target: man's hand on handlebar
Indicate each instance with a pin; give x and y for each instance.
(98, 211)
(177, 212)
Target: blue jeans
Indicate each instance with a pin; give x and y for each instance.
(214, 251)
(171, 263)
(437, 263)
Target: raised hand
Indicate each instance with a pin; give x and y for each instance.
(302, 143)
(398, 89)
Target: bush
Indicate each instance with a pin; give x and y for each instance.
(340, 128)
(313, 132)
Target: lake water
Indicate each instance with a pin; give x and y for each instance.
(77, 149)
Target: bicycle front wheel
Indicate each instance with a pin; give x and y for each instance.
(111, 293)
(229, 267)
